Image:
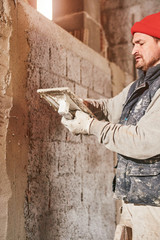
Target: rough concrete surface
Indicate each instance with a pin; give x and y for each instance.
(69, 178)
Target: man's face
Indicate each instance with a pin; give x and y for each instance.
(146, 51)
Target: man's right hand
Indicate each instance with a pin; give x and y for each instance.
(95, 107)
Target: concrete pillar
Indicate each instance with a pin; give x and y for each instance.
(82, 19)
(5, 107)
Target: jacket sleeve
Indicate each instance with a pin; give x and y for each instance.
(141, 141)
(111, 108)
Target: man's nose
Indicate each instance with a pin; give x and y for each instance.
(134, 50)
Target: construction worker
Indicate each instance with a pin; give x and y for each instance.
(132, 129)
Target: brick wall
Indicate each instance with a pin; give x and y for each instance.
(61, 183)
(69, 177)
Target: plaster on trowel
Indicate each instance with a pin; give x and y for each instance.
(64, 101)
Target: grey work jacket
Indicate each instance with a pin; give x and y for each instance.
(138, 146)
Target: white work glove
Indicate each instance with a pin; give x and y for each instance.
(80, 124)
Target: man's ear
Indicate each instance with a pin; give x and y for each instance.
(158, 42)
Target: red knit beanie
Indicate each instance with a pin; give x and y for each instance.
(149, 25)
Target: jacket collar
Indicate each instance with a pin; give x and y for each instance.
(151, 74)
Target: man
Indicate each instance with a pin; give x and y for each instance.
(132, 129)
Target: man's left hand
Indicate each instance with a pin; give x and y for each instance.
(80, 124)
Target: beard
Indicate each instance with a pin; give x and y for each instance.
(144, 65)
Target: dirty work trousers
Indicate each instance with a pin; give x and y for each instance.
(143, 220)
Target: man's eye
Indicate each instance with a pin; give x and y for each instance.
(141, 44)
